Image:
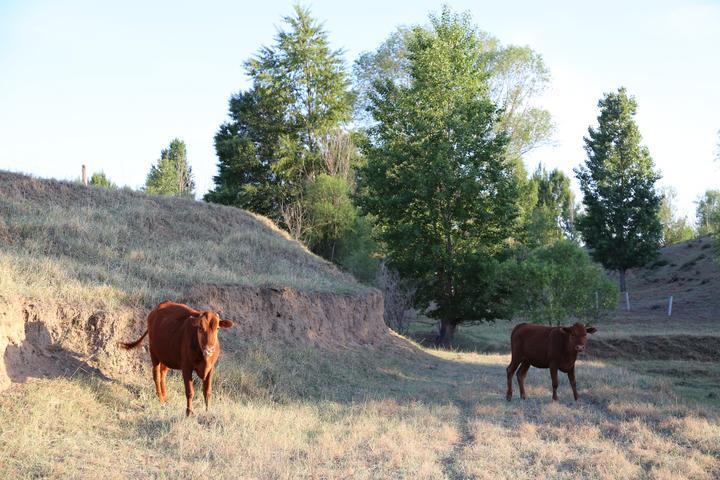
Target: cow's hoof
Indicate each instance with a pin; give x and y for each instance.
(524, 397)
(188, 412)
(508, 397)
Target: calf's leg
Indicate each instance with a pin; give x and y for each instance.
(189, 390)
(554, 377)
(207, 388)
(163, 383)
(571, 377)
(157, 378)
(514, 363)
(522, 372)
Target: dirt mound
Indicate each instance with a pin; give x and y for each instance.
(657, 347)
(81, 267)
(44, 340)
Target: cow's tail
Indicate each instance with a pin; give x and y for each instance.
(131, 345)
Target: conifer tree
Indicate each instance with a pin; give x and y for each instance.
(172, 174)
(620, 224)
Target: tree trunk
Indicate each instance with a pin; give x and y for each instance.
(447, 333)
(623, 287)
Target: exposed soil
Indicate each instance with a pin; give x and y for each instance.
(49, 340)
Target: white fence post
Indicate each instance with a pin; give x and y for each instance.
(670, 306)
(627, 300)
(84, 176)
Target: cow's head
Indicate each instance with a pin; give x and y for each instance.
(207, 325)
(577, 336)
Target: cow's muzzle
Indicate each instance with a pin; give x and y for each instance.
(580, 348)
(208, 351)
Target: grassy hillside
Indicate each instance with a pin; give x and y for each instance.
(103, 247)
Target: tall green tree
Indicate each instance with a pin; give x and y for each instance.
(620, 223)
(708, 213)
(675, 228)
(271, 147)
(516, 76)
(172, 174)
(553, 209)
(436, 177)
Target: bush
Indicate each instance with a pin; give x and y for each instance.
(560, 283)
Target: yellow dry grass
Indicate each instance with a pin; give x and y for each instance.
(308, 414)
(103, 248)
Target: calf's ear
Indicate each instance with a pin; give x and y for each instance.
(591, 329)
(567, 330)
(226, 323)
(195, 321)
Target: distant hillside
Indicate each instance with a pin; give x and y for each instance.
(690, 272)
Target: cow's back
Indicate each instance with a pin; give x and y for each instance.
(167, 325)
(531, 343)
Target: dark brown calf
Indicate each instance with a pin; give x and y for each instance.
(182, 338)
(539, 346)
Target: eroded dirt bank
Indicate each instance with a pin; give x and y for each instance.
(46, 339)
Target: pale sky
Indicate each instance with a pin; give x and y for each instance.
(110, 84)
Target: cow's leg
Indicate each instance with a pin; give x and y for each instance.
(554, 377)
(514, 363)
(157, 377)
(189, 390)
(571, 377)
(163, 382)
(207, 388)
(522, 371)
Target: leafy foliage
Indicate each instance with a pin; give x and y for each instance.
(331, 213)
(271, 147)
(620, 224)
(99, 179)
(552, 215)
(708, 213)
(559, 283)
(675, 229)
(172, 175)
(436, 176)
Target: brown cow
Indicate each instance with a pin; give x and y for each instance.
(182, 338)
(539, 346)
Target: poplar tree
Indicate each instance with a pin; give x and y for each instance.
(620, 225)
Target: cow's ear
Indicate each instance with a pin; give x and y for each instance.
(567, 330)
(226, 323)
(591, 329)
(195, 321)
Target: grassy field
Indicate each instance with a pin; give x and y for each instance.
(397, 414)
(395, 410)
(105, 248)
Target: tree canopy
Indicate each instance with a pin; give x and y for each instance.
(437, 178)
(620, 223)
(271, 146)
(171, 175)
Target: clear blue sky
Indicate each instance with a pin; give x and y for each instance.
(111, 83)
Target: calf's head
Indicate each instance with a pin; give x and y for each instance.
(577, 336)
(207, 325)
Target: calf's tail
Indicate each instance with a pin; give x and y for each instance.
(131, 345)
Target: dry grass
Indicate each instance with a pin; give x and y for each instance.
(104, 248)
(308, 414)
